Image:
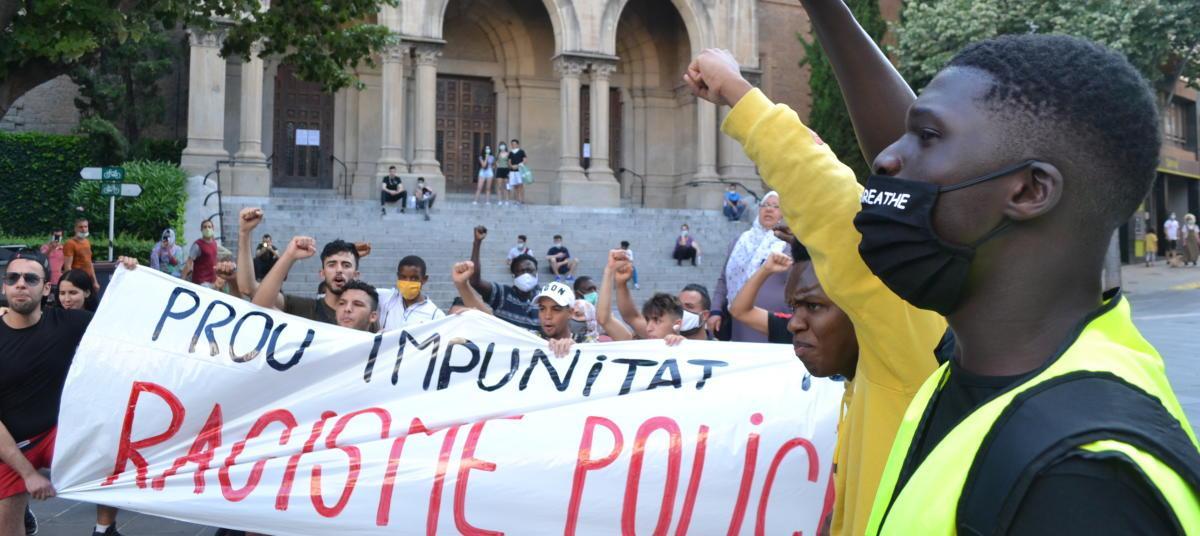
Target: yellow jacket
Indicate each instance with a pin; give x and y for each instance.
(820, 197)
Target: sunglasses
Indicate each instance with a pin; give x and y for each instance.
(32, 279)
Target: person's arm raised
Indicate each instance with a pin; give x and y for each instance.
(604, 315)
(742, 307)
(477, 273)
(461, 274)
(623, 272)
(248, 219)
(301, 247)
(876, 96)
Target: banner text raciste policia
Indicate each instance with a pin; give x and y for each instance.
(188, 404)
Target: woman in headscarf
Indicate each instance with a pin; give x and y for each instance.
(167, 256)
(746, 254)
(1189, 234)
(584, 327)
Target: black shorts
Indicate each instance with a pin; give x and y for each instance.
(501, 173)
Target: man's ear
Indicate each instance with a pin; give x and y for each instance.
(374, 316)
(1038, 191)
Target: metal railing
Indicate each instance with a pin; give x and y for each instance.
(640, 176)
(343, 186)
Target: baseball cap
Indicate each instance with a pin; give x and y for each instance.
(560, 293)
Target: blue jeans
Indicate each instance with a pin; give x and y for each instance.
(734, 212)
(635, 277)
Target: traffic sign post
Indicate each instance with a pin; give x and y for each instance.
(112, 186)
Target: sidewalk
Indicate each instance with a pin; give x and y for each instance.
(1137, 279)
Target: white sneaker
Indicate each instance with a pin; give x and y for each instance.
(474, 202)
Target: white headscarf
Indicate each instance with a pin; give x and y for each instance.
(751, 250)
(589, 314)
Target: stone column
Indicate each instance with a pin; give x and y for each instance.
(391, 146)
(573, 187)
(425, 158)
(705, 195)
(206, 103)
(250, 174)
(732, 162)
(600, 169)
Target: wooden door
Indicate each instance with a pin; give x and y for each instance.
(466, 122)
(303, 133)
(614, 124)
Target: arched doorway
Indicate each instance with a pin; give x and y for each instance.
(494, 50)
(302, 133)
(654, 48)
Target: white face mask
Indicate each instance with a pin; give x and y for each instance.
(526, 282)
(690, 321)
(520, 245)
(683, 232)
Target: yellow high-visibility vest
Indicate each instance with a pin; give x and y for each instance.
(1107, 393)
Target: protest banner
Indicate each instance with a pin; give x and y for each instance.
(188, 404)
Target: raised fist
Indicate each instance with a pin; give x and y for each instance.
(777, 262)
(301, 247)
(480, 233)
(249, 218)
(462, 272)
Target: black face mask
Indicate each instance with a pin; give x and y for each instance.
(900, 246)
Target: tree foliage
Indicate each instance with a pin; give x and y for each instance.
(325, 39)
(829, 117)
(1161, 38)
(121, 83)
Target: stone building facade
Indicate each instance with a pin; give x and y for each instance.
(559, 75)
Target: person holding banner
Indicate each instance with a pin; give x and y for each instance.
(897, 342)
(406, 304)
(1055, 415)
(37, 346)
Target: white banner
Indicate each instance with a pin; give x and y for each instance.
(187, 404)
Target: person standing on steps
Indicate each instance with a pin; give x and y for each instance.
(746, 254)
(502, 169)
(517, 163)
(629, 257)
(487, 164)
(391, 191)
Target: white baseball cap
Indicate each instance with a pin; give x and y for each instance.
(560, 293)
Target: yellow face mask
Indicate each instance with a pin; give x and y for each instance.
(409, 289)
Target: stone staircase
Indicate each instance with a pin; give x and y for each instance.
(588, 232)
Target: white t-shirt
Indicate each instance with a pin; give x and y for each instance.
(517, 252)
(1171, 229)
(394, 315)
(629, 254)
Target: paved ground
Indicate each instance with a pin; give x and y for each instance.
(1166, 306)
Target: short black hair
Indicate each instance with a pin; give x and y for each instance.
(521, 237)
(339, 246)
(558, 237)
(514, 140)
(799, 252)
(266, 236)
(391, 168)
(625, 244)
(80, 219)
(420, 179)
(512, 266)
(579, 282)
(358, 284)
(412, 260)
(705, 299)
(1082, 103)
(662, 303)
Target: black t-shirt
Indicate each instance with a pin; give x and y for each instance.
(554, 251)
(1081, 495)
(310, 308)
(33, 368)
(516, 158)
(393, 183)
(777, 331)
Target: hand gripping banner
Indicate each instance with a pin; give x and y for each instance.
(188, 404)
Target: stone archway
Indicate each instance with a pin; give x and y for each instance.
(654, 45)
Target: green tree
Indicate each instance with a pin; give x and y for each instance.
(829, 117)
(325, 39)
(1161, 38)
(120, 83)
